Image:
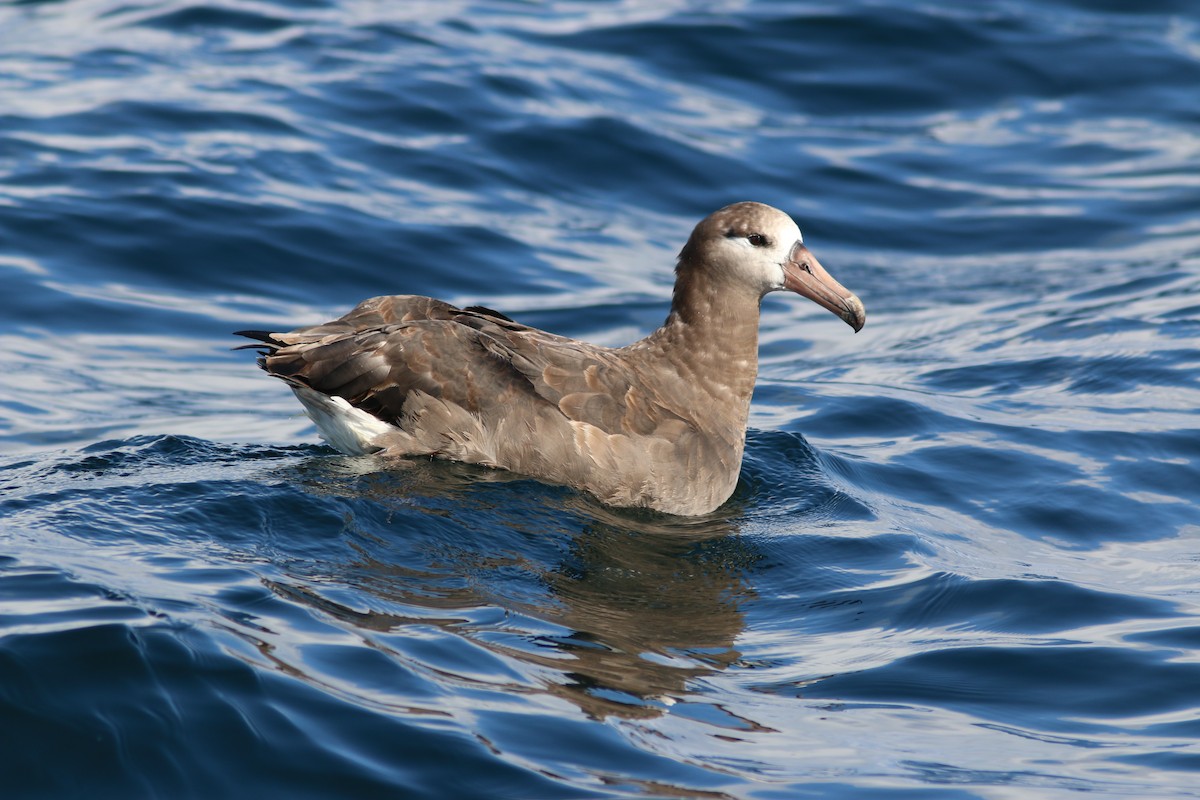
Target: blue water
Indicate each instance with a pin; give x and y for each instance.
(964, 557)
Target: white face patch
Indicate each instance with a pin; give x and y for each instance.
(762, 265)
(785, 238)
(747, 242)
(778, 284)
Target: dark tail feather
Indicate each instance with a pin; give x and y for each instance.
(265, 341)
(491, 312)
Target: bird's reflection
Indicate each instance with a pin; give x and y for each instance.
(638, 603)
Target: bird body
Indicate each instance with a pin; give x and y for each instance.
(660, 423)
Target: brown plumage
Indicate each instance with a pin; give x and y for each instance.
(660, 423)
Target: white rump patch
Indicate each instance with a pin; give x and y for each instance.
(346, 428)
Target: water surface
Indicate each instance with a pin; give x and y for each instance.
(963, 556)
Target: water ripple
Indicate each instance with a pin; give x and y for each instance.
(961, 559)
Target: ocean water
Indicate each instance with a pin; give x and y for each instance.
(963, 560)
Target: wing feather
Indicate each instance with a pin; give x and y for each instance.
(388, 350)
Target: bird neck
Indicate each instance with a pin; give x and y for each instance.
(711, 337)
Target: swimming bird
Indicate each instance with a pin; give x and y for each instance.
(660, 423)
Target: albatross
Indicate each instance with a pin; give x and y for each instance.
(660, 423)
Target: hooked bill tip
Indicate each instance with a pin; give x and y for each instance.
(855, 314)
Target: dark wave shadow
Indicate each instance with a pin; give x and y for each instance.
(626, 607)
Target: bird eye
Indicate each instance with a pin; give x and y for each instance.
(757, 239)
